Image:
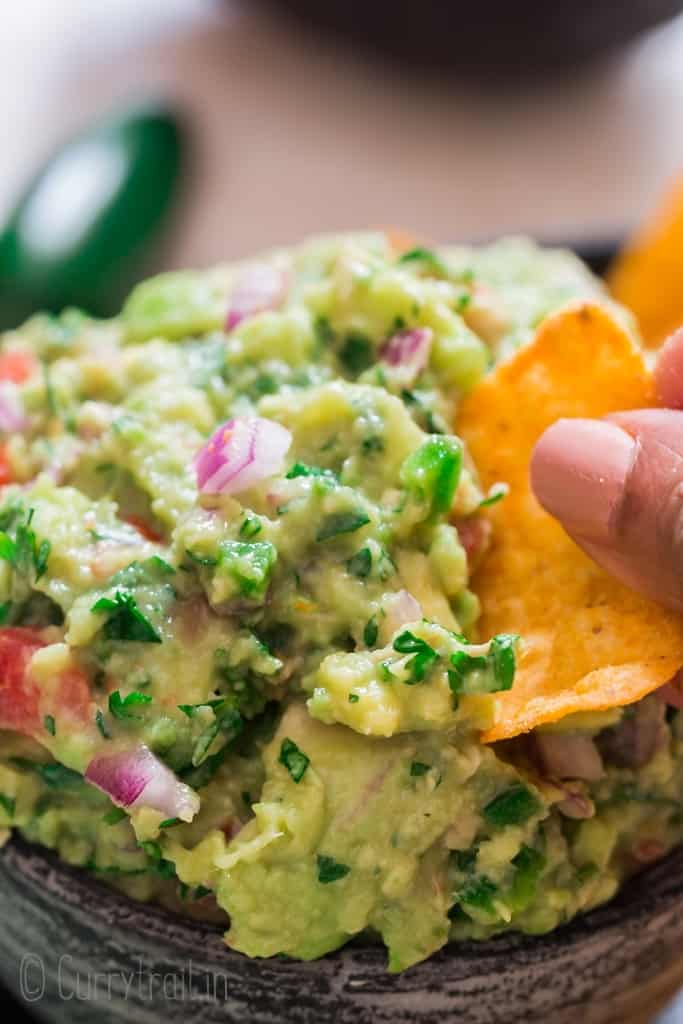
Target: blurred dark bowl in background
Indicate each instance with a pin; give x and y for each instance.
(488, 39)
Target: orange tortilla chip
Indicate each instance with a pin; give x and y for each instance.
(648, 275)
(588, 643)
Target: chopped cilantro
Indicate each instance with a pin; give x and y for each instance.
(170, 823)
(425, 656)
(294, 759)
(360, 564)
(418, 768)
(370, 632)
(53, 774)
(50, 724)
(156, 562)
(5, 609)
(125, 620)
(496, 494)
(206, 561)
(102, 725)
(341, 522)
(250, 527)
(502, 658)
(478, 893)
(513, 806)
(114, 816)
(8, 804)
(330, 870)
(302, 469)
(528, 864)
(323, 330)
(430, 259)
(122, 707)
(356, 353)
(353, 698)
(372, 445)
(191, 709)
(24, 552)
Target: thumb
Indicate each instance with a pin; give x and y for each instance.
(616, 485)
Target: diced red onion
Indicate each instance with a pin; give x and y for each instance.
(242, 452)
(399, 609)
(638, 737)
(577, 806)
(568, 756)
(12, 417)
(409, 350)
(258, 287)
(137, 778)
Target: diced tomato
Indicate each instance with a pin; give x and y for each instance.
(17, 366)
(19, 694)
(6, 476)
(147, 531)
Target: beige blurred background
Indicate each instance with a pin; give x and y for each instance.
(294, 136)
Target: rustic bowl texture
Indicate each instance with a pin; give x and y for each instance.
(77, 951)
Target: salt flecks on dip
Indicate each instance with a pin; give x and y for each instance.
(137, 778)
(242, 452)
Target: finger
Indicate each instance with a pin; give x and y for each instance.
(578, 469)
(669, 372)
(617, 487)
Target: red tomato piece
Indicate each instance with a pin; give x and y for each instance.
(16, 366)
(20, 696)
(6, 476)
(147, 531)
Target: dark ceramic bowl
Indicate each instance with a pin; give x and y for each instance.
(77, 952)
(488, 38)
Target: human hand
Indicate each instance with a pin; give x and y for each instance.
(616, 485)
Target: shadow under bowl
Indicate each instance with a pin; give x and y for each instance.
(75, 950)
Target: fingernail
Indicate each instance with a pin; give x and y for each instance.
(578, 472)
(669, 371)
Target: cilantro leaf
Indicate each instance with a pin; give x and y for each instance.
(330, 870)
(418, 768)
(427, 257)
(301, 469)
(125, 620)
(294, 760)
(513, 806)
(341, 522)
(122, 707)
(356, 353)
(425, 656)
(50, 724)
(360, 564)
(8, 804)
(114, 816)
(370, 632)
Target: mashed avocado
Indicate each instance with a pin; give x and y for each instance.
(239, 664)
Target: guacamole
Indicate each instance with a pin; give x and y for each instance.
(240, 669)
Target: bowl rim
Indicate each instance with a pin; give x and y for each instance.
(638, 899)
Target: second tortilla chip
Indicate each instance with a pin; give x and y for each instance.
(589, 643)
